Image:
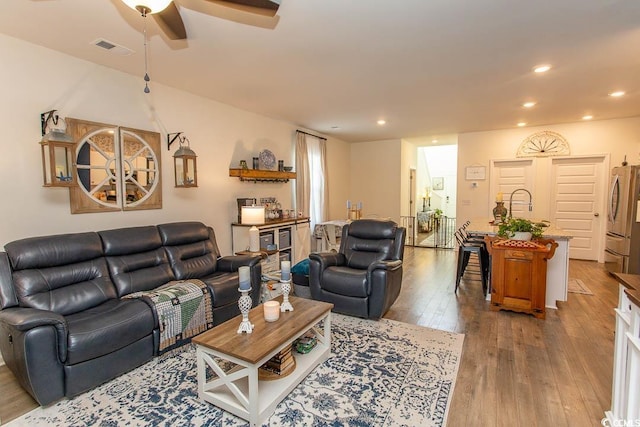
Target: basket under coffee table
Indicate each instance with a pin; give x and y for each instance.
(238, 390)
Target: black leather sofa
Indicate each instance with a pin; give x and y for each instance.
(364, 277)
(64, 326)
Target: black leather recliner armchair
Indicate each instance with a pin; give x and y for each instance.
(364, 278)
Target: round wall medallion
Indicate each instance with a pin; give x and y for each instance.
(543, 144)
(267, 159)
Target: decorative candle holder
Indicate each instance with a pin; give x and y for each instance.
(286, 288)
(245, 303)
(499, 212)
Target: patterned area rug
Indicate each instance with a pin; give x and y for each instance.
(577, 286)
(381, 373)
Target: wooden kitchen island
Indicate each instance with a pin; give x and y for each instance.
(557, 267)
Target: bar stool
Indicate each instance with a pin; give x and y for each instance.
(465, 249)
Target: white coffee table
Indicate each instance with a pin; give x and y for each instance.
(238, 390)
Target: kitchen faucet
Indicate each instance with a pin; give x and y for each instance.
(511, 199)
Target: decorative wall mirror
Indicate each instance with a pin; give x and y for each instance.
(118, 168)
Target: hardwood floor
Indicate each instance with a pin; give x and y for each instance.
(515, 370)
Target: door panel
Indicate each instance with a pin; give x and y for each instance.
(509, 175)
(577, 203)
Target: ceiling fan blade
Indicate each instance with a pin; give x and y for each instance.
(171, 22)
(260, 7)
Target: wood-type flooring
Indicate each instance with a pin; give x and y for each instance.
(515, 370)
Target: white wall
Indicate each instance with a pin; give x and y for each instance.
(618, 138)
(36, 79)
(376, 178)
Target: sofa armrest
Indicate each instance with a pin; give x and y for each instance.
(231, 263)
(22, 320)
(385, 265)
(327, 259)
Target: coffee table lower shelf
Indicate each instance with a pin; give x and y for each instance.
(239, 390)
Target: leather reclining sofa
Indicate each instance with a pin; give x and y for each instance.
(64, 326)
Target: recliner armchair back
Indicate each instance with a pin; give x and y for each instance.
(367, 241)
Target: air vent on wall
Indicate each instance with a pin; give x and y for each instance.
(112, 47)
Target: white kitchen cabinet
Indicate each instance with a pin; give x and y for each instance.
(626, 358)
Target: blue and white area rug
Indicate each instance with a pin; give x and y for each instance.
(381, 373)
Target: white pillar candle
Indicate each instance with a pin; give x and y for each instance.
(244, 278)
(271, 311)
(499, 197)
(285, 270)
(254, 239)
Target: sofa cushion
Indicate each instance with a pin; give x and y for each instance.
(106, 328)
(61, 273)
(191, 249)
(345, 281)
(136, 259)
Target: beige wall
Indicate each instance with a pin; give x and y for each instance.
(376, 177)
(36, 79)
(338, 177)
(615, 138)
(408, 161)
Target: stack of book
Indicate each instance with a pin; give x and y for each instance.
(280, 365)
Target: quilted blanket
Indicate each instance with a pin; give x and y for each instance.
(183, 309)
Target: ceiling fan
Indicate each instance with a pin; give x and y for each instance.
(168, 17)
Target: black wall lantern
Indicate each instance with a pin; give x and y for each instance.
(58, 149)
(184, 162)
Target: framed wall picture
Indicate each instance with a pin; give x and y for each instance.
(438, 183)
(473, 173)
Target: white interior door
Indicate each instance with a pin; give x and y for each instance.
(577, 194)
(506, 177)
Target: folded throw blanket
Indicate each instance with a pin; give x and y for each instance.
(183, 309)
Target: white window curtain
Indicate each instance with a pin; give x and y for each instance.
(311, 189)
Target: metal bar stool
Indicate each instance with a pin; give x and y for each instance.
(465, 249)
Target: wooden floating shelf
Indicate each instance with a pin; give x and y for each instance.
(258, 175)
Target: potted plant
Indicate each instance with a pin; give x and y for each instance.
(521, 229)
(437, 214)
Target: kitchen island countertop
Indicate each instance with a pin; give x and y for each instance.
(485, 226)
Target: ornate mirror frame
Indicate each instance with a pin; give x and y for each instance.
(118, 168)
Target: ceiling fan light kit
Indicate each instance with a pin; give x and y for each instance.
(148, 6)
(168, 18)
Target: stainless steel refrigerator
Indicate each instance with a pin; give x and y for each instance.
(622, 253)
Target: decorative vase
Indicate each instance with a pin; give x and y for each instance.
(244, 303)
(499, 212)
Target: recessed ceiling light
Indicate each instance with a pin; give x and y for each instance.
(522, 124)
(617, 93)
(541, 68)
(528, 104)
(587, 117)
(434, 141)
(381, 122)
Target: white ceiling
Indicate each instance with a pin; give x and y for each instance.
(429, 67)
